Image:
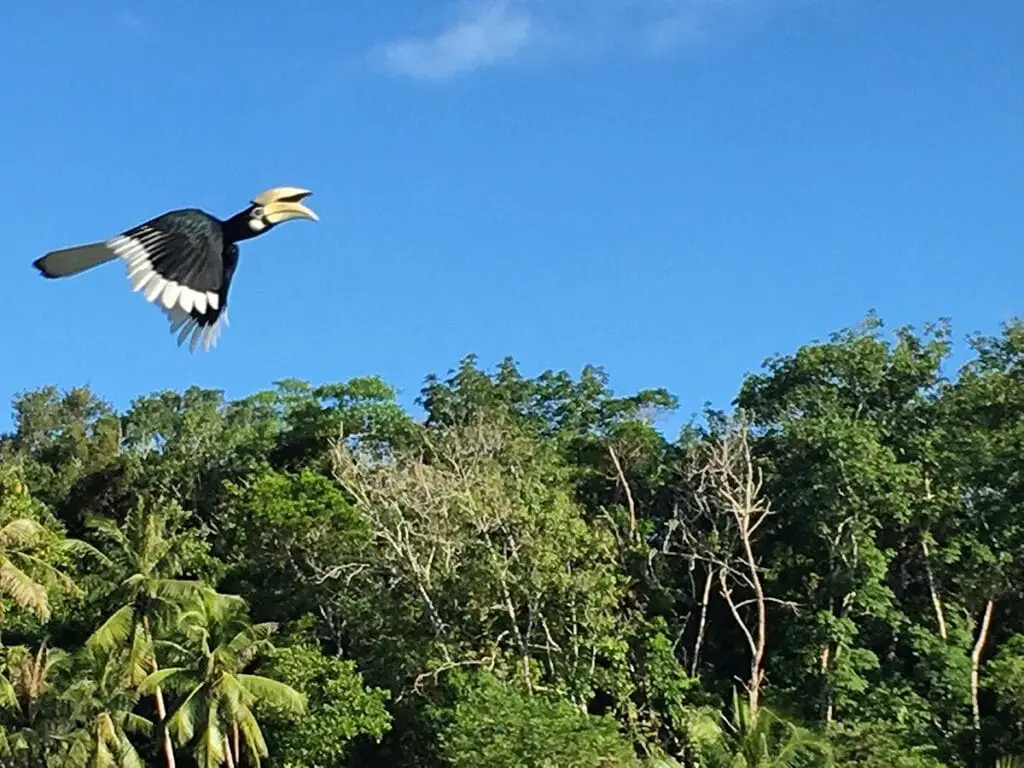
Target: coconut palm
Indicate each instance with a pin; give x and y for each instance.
(219, 697)
(28, 696)
(101, 708)
(149, 593)
(25, 573)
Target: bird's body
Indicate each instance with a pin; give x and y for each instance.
(184, 260)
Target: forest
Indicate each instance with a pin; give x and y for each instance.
(527, 571)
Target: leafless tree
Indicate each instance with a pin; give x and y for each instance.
(717, 526)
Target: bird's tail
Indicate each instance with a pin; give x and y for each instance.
(71, 261)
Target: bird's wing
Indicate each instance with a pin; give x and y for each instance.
(176, 260)
(205, 327)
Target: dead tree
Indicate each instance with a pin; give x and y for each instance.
(717, 525)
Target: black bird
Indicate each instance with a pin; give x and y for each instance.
(185, 258)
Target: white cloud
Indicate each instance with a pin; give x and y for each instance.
(483, 35)
(492, 32)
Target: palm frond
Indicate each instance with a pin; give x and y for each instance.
(177, 590)
(50, 573)
(127, 756)
(220, 607)
(23, 589)
(162, 678)
(83, 549)
(102, 757)
(115, 631)
(140, 656)
(134, 723)
(134, 584)
(253, 735)
(246, 645)
(106, 731)
(274, 693)
(233, 698)
(8, 696)
(77, 750)
(182, 723)
(211, 746)
(21, 532)
(106, 528)
(171, 648)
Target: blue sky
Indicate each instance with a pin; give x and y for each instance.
(674, 189)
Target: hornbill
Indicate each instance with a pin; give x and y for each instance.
(185, 258)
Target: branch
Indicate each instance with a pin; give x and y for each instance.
(727, 594)
(417, 686)
(629, 493)
(785, 603)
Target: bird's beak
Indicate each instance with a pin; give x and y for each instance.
(282, 203)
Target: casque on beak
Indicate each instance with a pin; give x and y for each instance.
(282, 203)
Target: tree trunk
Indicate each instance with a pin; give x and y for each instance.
(830, 658)
(698, 644)
(757, 662)
(227, 752)
(756, 647)
(940, 616)
(161, 710)
(630, 503)
(234, 735)
(979, 648)
(826, 660)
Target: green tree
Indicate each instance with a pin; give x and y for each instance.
(32, 724)
(60, 440)
(34, 551)
(339, 709)
(298, 551)
(219, 697)
(846, 437)
(532, 572)
(101, 709)
(148, 555)
(763, 739)
(979, 540)
(503, 725)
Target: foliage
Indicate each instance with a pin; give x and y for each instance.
(531, 574)
(339, 708)
(219, 696)
(497, 724)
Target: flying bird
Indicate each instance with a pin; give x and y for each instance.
(184, 260)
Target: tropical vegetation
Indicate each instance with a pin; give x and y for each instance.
(526, 571)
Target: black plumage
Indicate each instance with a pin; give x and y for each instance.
(184, 260)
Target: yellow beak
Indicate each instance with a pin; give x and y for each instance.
(282, 203)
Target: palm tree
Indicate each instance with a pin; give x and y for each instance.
(27, 694)
(102, 707)
(24, 570)
(143, 549)
(219, 696)
(765, 740)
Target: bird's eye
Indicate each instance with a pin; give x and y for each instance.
(257, 213)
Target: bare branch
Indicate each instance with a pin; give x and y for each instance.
(718, 525)
(631, 505)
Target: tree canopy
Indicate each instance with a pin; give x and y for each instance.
(828, 572)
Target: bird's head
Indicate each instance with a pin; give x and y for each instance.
(277, 205)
